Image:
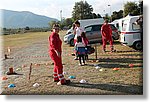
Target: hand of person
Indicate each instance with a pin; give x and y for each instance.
(104, 37)
(58, 53)
(135, 23)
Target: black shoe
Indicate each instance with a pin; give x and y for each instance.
(56, 80)
(67, 82)
(113, 50)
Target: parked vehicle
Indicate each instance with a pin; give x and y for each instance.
(87, 22)
(118, 24)
(69, 31)
(130, 33)
(93, 34)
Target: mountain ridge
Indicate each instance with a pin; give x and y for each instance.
(21, 19)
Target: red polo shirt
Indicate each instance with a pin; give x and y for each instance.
(55, 42)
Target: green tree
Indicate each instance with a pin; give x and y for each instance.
(68, 21)
(131, 8)
(4, 29)
(99, 16)
(52, 23)
(27, 28)
(82, 10)
(94, 15)
(141, 7)
(117, 15)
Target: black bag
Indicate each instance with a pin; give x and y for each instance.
(90, 49)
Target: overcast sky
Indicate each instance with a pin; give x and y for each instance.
(52, 8)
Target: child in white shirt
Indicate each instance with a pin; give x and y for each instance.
(80, 50)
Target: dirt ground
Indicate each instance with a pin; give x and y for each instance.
(103, 80)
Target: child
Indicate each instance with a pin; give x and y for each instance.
(85, 42)
(77, 31)
(80, 50)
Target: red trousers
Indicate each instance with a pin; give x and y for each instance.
(58, 67)
(105, 40)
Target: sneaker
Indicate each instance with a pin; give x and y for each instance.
(80, 64)
(56, 80)
(83, 64)
(73, 54)
(65, 83)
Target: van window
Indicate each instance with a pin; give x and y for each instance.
(124, 27)
(113, 27)
(88, 29)
(135, 26)
(117, 25)
(96, 28)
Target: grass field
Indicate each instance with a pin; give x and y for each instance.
(19, 40)
(33, 48)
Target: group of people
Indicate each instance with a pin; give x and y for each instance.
(81, 43)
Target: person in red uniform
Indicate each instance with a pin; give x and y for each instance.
(55, 51)
(106, 32)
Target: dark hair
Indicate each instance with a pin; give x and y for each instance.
(83, 35)
(106, 20)
(77, 22)
(79, 39)
(55, 25)
(73, 25)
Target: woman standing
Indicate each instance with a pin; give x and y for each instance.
(55, 51)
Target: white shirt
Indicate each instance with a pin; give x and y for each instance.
(79, 30)
(80, 44)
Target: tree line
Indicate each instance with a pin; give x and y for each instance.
(83, 10)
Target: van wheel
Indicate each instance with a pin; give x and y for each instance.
(72, 42)
(137, 45)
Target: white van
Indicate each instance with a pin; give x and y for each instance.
(130, 33)
(118, 24)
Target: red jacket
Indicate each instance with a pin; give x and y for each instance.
(55, 42)
(106, 31)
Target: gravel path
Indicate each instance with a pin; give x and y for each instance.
(34, 53)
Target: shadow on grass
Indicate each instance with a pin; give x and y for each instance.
(119, 62)
(141, 55)
(128, 51)
(125, 89)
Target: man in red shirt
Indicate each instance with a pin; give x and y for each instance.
(106, 32)
(55, 51)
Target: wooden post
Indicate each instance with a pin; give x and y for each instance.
(5, 56)
(11, 70)
(96, 51)
(30, 71)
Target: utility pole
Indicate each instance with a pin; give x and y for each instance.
(110, 13)
(123, 9)
(61, 16)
